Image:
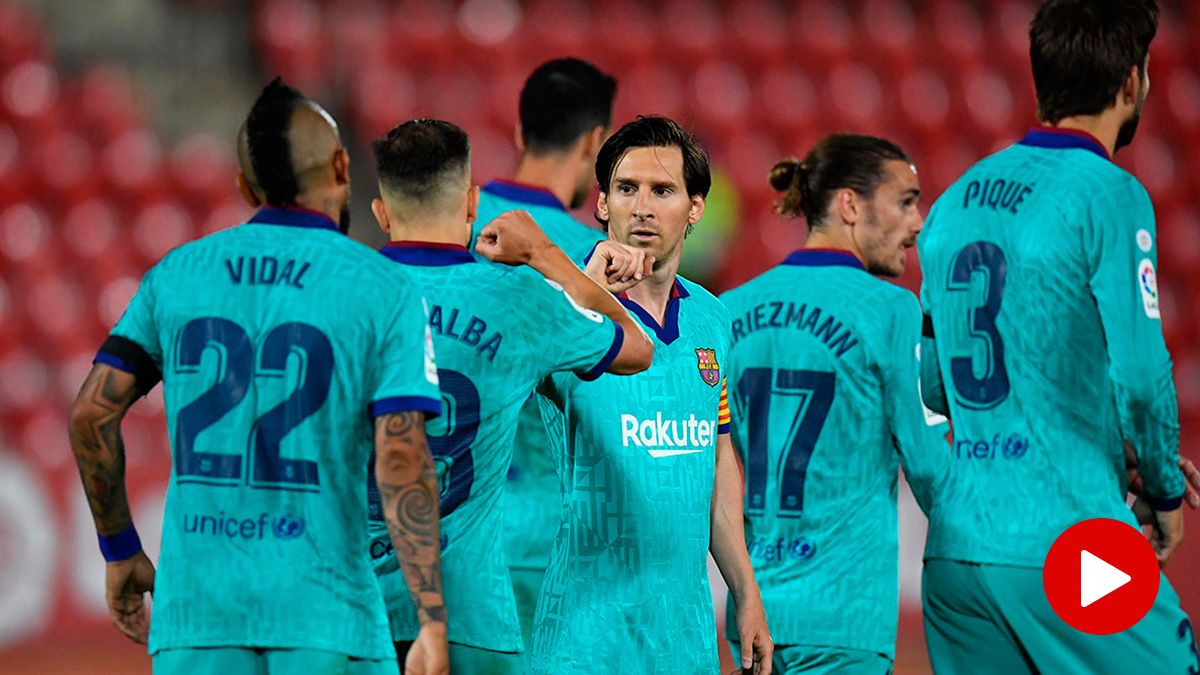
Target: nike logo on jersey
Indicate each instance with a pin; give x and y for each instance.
(658, 454)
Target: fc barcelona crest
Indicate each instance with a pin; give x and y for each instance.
(706, 361)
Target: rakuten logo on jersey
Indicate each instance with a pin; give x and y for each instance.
(666, 437)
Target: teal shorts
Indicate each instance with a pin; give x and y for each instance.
(995, 619)
(820, 660)
(527, 586)
(464, 659)
(249, 661)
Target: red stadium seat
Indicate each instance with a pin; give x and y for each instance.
(20, 35)
(132, 164)
(855, 99)
(160, 227)
(759, 34)
(203, 169)
(720, 96)
(827, 33)
(890, 30)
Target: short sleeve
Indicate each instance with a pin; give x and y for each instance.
(581, 340)
(133, 345)
(407, 368)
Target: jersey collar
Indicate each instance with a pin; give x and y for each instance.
(521, 192)
(668, 332)
(1059, 139)
(427, 253)
(823, 257)
(294, 216)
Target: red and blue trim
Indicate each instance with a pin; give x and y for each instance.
(524, 193)
(1058, 138)
(427, 253)
(668, 332)
(294, 216)
(823, 257)
(432, 407)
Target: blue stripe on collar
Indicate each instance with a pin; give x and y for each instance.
(293, 216)
(1061, 139)
(427, 254)
(823, 257)
(526, 194)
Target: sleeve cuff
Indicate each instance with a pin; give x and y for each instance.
(386, 406)
(602, 367)
(1161, 504)
(128, 356)
(723, 428)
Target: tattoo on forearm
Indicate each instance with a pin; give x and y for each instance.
(95, 435)
(408, 488)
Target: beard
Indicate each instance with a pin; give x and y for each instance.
(1128, 129)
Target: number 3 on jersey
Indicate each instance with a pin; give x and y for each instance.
(811, 391)
(973, 391)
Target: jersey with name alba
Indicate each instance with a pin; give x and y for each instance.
(532, 484)
(1040, 284)
(823, 384)
(497, 332)
(627, 586)
(276, 341)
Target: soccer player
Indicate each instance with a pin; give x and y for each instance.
(565, 111)
(496, 333)
(273, 339)
(649, 475)
(823, 385)
(1044, 311)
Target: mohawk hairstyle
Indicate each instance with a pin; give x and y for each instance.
(267, 141)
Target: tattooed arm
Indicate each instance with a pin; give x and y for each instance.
(408, 489)
(95, 433)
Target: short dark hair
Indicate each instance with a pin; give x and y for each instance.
(836, 162)
(414, 158)
(656, 131)
(1081, 52)
(266, 133)
(562, 100)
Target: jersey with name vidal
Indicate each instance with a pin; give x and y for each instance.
(276, 340)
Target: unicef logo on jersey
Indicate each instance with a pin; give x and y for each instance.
(288, 527)
(231, 526)
(798, 549)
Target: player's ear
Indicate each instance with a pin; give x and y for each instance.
(519, 138)
(381, 217)
(846, 206)
(1131, 88)
(696, 212)
(602, 206)
(592, 142)
(472, 204)
(247, 192)
(341, 166)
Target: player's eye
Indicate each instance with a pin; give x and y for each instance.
(662, 191)
(625, 189)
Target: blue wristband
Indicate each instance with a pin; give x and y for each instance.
(121, 546)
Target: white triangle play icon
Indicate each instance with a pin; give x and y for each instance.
(1097, 578)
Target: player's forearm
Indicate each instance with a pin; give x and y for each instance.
(96, 441)
(637, 351)
(1151, 423)
(728, 533)
(408, 491)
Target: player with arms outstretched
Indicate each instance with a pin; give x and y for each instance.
(1044, 314)
(273, 340)
(649, 475)
(823, 390)
(497, 333)
(565, 110)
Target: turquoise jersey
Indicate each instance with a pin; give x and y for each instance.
(1040, 286)
(627, 586)
(497, 333)
(823, 384)
(276, 341)
(533, 489)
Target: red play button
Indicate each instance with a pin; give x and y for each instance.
(1101, 576)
